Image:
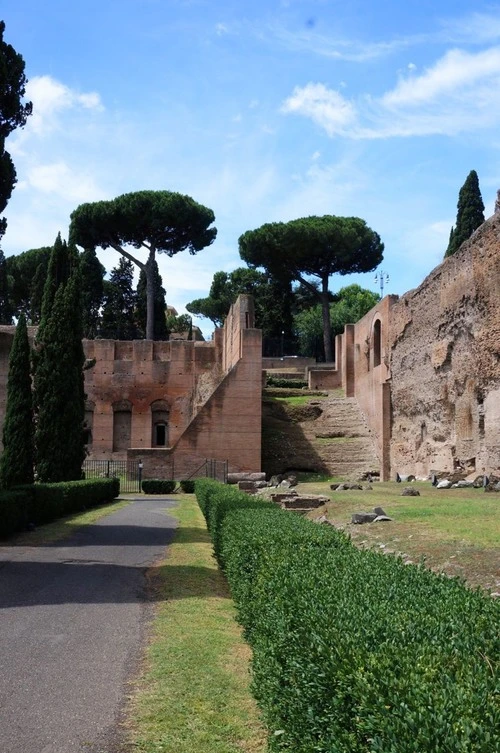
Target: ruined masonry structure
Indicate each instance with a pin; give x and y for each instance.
(173, 404)
(425, 368)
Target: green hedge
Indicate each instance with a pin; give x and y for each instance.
(158, 486)
(296, 384)
(187, 485)
(353, 651)
(40, 503)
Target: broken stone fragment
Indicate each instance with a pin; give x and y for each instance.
(410, 491)
(359, 518)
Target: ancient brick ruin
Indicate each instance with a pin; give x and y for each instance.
(424, 370)
(173, 404)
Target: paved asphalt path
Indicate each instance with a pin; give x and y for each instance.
(73, 619)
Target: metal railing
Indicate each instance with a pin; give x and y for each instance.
(128, 471)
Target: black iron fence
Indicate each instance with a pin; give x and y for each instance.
(128, 471)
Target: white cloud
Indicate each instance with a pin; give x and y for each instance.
(326, 107)
(50, 98)
(456, 71)
(335, 48)
(458, 94)
(58, 178)
(221, 29)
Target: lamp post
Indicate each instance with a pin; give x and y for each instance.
(381, 278)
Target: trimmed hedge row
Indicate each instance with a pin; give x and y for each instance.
(40, 503)
(165, 486)
(353, 651)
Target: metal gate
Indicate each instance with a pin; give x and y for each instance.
(128, 471)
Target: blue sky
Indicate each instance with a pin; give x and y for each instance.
(263, 111)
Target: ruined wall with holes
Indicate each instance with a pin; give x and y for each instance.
(445, 363)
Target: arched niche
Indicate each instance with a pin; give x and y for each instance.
(377, 343)
(160, 413)
(122, 425)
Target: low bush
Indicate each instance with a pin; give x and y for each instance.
(352, 650)
(187, 485)
(37, 504)
(295, 384)
(158, 486)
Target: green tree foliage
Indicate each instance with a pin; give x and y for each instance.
(314, 247)
(59, 398)
(16, 463)
(63, 261)
(158, 221)
(273, 299)
(13, 114)
(180, 324)
(118, 315)
(5, 304)
(160, 306)
(27, 273)
(350, 305)
(470, 213)
(92, 275)
(59, 387)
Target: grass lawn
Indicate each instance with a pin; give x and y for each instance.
(193, 695)
(456, 531)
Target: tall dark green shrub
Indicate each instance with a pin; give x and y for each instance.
(59, 389)
(470, 213)
(92, 272)
(16, 463)
(118, 315)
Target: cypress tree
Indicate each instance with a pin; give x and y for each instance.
(92, 272)
(61, 263)
(16, 463)
(160, 306)
(118, 315)
(59, 388)
(470, 213)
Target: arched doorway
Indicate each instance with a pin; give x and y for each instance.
(160, 411)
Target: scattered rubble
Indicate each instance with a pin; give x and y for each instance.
(377, 516)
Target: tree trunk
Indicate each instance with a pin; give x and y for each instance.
(327, 327)
(150, 295)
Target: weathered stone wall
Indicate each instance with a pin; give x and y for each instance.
(371, 361)
(445, 363)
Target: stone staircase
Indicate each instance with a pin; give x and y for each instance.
(328, 435)
(342, 439)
